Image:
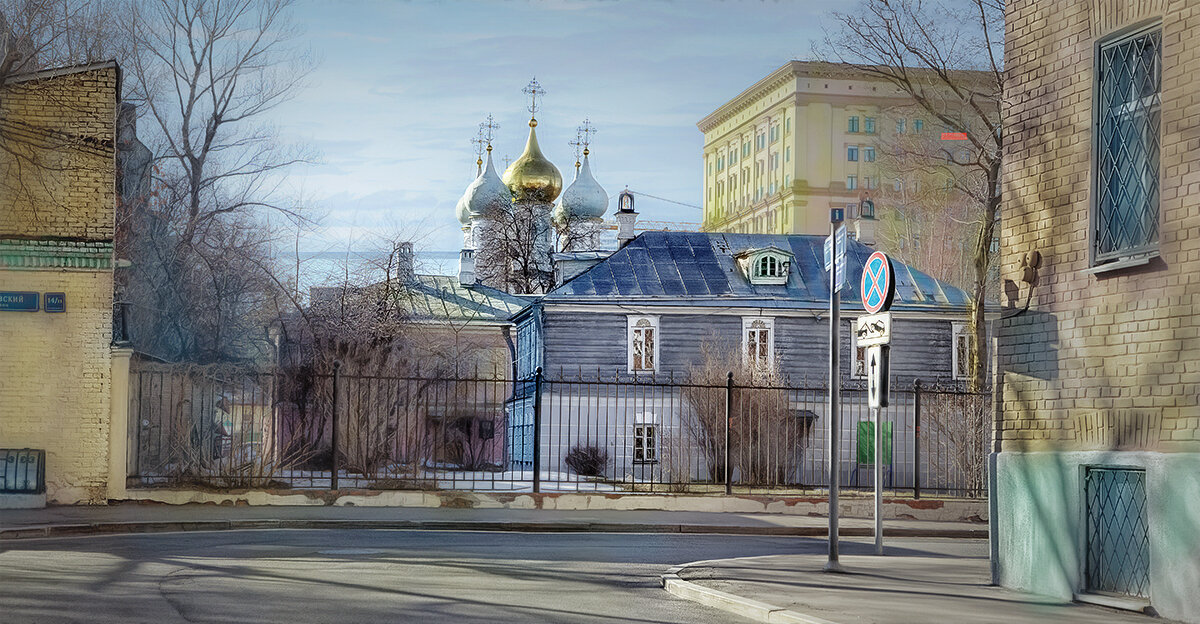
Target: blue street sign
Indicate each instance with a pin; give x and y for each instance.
(54, 302)
(18, 301)
(878, 285)
(837, 215)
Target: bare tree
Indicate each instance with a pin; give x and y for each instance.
(37, 35)
(947, 56)
(206, 74)
(516, 257)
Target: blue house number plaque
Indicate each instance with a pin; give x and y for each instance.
(54, 302)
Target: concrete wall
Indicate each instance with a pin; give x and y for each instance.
(1040, 526)
(56, 233)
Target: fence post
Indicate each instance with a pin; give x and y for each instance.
(916, 439)
(333, 420)
(537, 431)
(728, 418)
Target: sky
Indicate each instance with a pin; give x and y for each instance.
(401, 87)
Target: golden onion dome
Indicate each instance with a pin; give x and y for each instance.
(532, 177)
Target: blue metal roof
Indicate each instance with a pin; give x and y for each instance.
(700, 268)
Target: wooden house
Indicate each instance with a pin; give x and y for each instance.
(658, 309)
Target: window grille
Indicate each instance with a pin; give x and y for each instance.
(1118, 542)
(1129, 85)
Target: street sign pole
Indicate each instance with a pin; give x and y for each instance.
(835, 421)
(878, 288)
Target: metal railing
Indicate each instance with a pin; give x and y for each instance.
(618, 433)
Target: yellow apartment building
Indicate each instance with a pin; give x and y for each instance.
(798, 142)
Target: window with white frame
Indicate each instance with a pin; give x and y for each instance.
(869, 154)
(858, 356)
(645, 443)
(852, 124)
(852, 153)
(961, 356)
(869, 125)
(851, 182)
(758, 341)
(899, 126)
(643, 344)
(1126, 135)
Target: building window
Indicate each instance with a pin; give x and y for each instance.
(787, 124)
(918, 125)
(720, 164)
(897, 185)
(852, 124)
(1129, 85)
(899, 126)
(852, 153)
(869, 154)
(961, 358)
(870, 182)
(645, 443)
(758, 337)
(787, 154)
(643, 343)
(869, 125)
(858, 356)
(745, 149)
(851, 182)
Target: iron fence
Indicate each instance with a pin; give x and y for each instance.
(617, 434)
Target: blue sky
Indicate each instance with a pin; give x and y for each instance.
(402, 86)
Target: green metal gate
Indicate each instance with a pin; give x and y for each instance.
(1118, 543)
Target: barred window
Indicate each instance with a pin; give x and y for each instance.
(1129, 84)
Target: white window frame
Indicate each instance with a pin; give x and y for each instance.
(748, 323)
(851, 182)
(645, 429)
(959, 331)
(633, 327)
(851, 153)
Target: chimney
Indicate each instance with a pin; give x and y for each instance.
(466, 267)
(404, 263)
(626, 218)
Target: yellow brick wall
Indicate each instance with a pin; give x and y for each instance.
(1107, 360)
(55, 369)
(62, 185)
(54, 380)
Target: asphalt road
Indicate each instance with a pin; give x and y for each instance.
(368, 576)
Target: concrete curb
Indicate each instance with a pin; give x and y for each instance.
(117, 528)
(745, 607)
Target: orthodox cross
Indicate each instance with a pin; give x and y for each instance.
(507, 160)
(487, 129)
(577, 144)
(479, 141)
(585, 132)
(534, 91)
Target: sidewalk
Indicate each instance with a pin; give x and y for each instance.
(915, 582)
(142, 517)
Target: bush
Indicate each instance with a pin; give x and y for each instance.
(587, 461)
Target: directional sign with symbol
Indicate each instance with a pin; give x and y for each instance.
(839, 273)
(878, 284)
(877, 376)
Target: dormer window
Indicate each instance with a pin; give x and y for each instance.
(769, 266)
(765, 266)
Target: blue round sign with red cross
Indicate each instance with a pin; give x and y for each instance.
(878, 284)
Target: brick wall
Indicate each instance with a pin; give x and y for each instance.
(58, 169)
(1108, 360)
(54, 380)
(56, 226)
